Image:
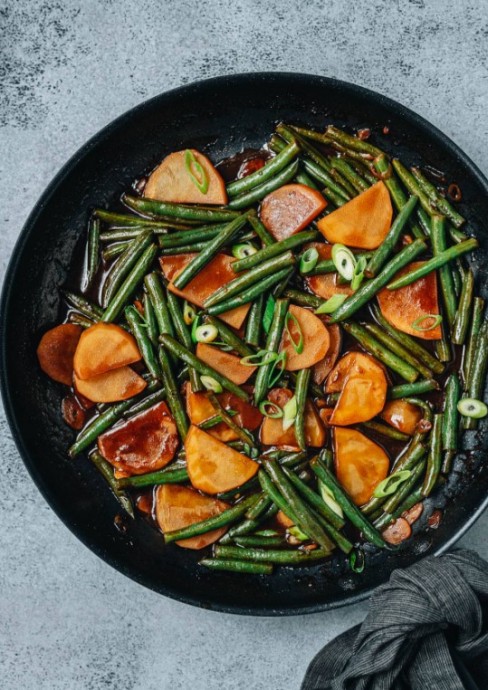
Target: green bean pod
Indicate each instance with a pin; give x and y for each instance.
(122, 267)
(250, 294)
(301, 391)
(237, 566)
(143, 342)
(439, 201)
(399, 349)
(254, 322)
(267, 172)
(476, 321)
(168, 475)
(463, 314)
(272, 344)
(274, 250)
(183, 334)
(278, 556)
(155, 290)
(107, 472)
(172, 393)
(167, 209)
(434, 459)
(450, 424)
(93, 258)
(417, 388)
(264, 235)
(265, 188)
(83, 305)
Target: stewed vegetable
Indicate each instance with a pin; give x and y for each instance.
(275, 365)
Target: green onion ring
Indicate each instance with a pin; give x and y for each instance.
(278, 414)
(197, 172)
(416, 325)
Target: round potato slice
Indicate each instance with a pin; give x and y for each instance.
(315, 338)
(56, 350)
(290, 208)
(112, 386)
(103, 347)
(360, 464)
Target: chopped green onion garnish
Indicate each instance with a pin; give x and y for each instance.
(240, 251)
(308, 260)
(344, 260)
(297, 533)
(357, 560)
(290, 413)
(331, 304)
(211, 384)
(197, 172)
(389, 485)
(277, 369)
(268, 313)
(195, 325)
(206, 333)
(358, 276)
(433, 321)
(470, 407)
(270, 409)
(328, 498)
(259, 359)
(189, 313)
(297, 346)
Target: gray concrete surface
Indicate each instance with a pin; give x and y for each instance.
(67, 620)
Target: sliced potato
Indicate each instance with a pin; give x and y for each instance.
(290, 208)
(103, 347)
(225, 363)
(360, 464)
(403, 307)
(180, 506)
(363, 222)
(216, 273)
(56, 351)
(115, 385)
(212, 466)
(323, 368)
(145, 443)
(272, 433)
(402, 415)
(315, 338)
(172, 181)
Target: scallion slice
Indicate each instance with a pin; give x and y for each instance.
(297, 345)
(297, 533)
(189, 313)
(435, 319)
(211, 384)
(240, 251)
(470, 407)
(290, 413)
(196, 171)
(259, 359)
(390, 484)
(270, 409)
(357, 561)
(344, 260)
(268, 313)
(206, 333)
(331, 304)
(195, 325)
(328, 498)
(308, 260)
(358, 276)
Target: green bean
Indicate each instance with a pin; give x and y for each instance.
(264, 542)
(363, 169)
(476, 321)
(268, 171)
(181, 352)
(407, 503)
(334, 520)
(184, 249)
(124, 264)
(127, 235)
(351, 142)
(385, 430)
(397, 348)
(204, 214)
(183, 334)
(254, 322)
(179, 239)
(303, 380)
(290, 459)
(238, 490)
(390, 359)
(155, 290)
(456, 235)
(107, 472)
(388, 245)
(368, 290)
(150, 319)
(146, 402)
(123, 220)
(172, 393)
(221, 520)
(229, 337)
(303, 178)
(259, 507)
(262, 190)
(383, 167)
(247, 526)
(411, 457)
(408, 498)
(244, 435)
(80, 319)
(404, 489)
(440, 202)
(463, 313)
(432, 264)
(143, 342)
(250, 294)
(237, 566)
(130, 284)
(413, 187)
(442, 347)
(168, 475)
(263, 234)
(278, 556)
(434, 459)
(212, 248)
(93, 245)
(438, 237)
(410, 344)
(272, 344)
(282, 284)
(349, 174)
(303, 299)
(274, 250)
(451, 416)
(114, 250)
(350, 510)
(256, 274)
(99, 424)
(84, 306)
(477, 373)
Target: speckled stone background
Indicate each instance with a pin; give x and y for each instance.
(67, 620)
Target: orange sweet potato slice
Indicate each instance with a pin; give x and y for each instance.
(290, 208)
(216, 273)
(112, 386)
(145, 443)
(362, 222)
(315, 339)
(103, 347)
(272, 433)
(212, 466)
(56, 350)
(225, 363)
(172, 181)
(402, 415)
(326, 284)
(406, 305)
(360, 464)
(323, 368)
(362, 383)
(180, 506)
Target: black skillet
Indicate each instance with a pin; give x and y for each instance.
(220, 116)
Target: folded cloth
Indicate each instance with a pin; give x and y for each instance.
(426, 629)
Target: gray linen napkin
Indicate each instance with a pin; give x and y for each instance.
(427, 629)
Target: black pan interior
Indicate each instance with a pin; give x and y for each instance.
(220, 116)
